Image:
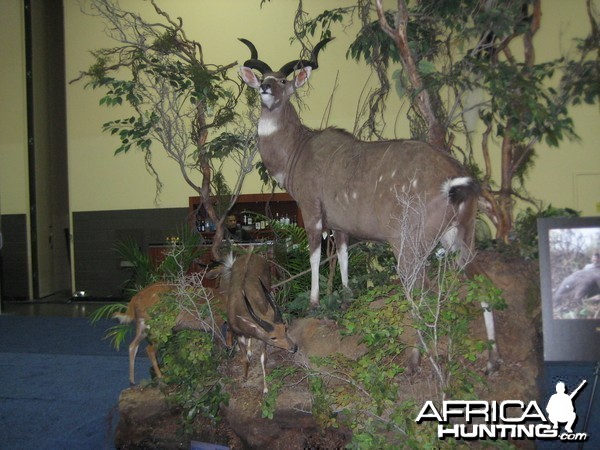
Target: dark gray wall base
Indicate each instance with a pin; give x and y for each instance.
(13, 257)
(98, 269)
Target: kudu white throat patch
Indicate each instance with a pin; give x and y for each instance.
(267, 127)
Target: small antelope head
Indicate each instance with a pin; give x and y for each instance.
(274, 87)
(273, 333)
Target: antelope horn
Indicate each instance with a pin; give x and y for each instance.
(288, 68)
(254, 62)
(277, 317)
(250, 45)
(263, 324)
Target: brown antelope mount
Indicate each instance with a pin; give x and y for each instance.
(137, 312)
(251, 310)
(353, 187)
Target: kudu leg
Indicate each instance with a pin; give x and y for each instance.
(246, 350)
(341, 248)
(494, 356)
(263, 365)
(314, 245)
(494, 360)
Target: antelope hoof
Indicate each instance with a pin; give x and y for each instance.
(493, 364)
(347, 293)
(414, 361)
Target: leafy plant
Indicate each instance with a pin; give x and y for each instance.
(177, 261)
(183, 106)
(275, 380)
(190, 361)
(117, 334)
(525, 229)
(368, 392)
(175, 264)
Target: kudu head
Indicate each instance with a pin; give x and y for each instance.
(271, 332)
(274, 87)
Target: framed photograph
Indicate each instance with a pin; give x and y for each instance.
(570, 284)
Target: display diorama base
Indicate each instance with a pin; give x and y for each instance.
(147, 422)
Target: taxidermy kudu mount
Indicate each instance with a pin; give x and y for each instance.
(352, 187)
(251, 309)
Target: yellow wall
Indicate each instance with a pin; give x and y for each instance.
(568, 176)
(13, 119)
(217, 25)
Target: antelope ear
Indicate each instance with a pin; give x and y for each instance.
(303, 76)
(249, 77)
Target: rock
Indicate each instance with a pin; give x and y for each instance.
(141, 408)
(288, 430)
(321, 337)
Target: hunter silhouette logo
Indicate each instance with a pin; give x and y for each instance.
(560, 407)
(508, 419)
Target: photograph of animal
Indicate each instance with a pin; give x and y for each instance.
(580, 285)
(353, 187)
(251, 310)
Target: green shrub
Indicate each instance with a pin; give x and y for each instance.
(190, 362)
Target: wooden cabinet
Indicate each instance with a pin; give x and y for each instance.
(251, 207)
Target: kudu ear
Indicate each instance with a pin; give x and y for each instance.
(249, 77)
(302, 76)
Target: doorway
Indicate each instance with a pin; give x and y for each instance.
(47, 148)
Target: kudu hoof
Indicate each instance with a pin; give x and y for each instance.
(493, 365)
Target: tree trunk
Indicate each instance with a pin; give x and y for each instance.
(436, 132)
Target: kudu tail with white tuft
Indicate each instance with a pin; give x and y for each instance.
(350, 186)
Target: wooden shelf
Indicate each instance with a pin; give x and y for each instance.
(269, 205)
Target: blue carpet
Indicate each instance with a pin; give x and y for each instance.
(60, 383)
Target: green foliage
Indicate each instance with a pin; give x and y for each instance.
(481, 289)
(224, 145)
(117, 334)
(525, 228)
(275, 381)
(132, 131)
(369, 393)
(325, 20)
(190, 361)
(369, 264)
(185, 250)
(175, 99)
(176, 262)
(190, 358)
(523, 105)
(142, 272)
